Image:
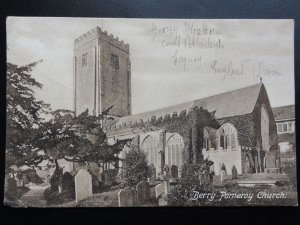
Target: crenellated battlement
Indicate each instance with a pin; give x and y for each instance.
(97, 32)
(151, 119)
(154, 118)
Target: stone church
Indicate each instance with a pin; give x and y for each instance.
(232, 129)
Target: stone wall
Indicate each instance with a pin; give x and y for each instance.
(249, 131)
(99, 85)
(85, 78)
(116, 83)
(228, 157)
(180, 124)
(263, 99)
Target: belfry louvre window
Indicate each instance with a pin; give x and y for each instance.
(84, 60)
(114, 61)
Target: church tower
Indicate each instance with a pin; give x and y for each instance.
(102, 74)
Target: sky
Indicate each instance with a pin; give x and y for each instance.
(172, 60)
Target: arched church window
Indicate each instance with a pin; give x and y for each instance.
(206, 139)
(207, 143)
(227, 135)
(173, 154)
(222, 141)
(150, 146)
(233, 142)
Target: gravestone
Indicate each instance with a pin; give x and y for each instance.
(10, 186)
(166, 180)
(126, 197)
(110, 176)
(167, 174)
(174, 172)
(95, 183)
(270, 160)
(143, 192)
(159, 189)
(6, 184)
(223, 175)
(152, 193)
(205, 179)
(20, 182)
(256, 164)
(223, 167)
(163, 200)
(83, 185)
(67, 182)
(152, 178)
(234, 173)
(166, 184)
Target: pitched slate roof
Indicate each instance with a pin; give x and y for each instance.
(284, 112)
(232, 103)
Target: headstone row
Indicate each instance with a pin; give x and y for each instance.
(134, 196)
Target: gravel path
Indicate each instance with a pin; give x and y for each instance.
(34, 197)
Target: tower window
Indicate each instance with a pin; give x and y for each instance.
(84, 60)
(114, 61)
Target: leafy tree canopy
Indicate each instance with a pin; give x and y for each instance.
(31, 140)
(23, 115)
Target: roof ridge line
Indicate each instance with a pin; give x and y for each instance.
(193, 101)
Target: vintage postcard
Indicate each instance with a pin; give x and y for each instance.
(114, 112)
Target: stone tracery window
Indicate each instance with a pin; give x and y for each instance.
(173, 154)
(206, 139)
(150, 146)
(227, 136)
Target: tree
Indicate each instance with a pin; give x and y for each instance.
(30, 140)
(22, 116)
(135, 167)
(193, 180)
(67, 137)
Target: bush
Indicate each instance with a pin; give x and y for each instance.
(106, 199)
(12, 192)
(48, 194)
(110, 176)
(182, 193)
(34, 178)
(56, 179)
(55, 198)
(290, 170)
(135, 168)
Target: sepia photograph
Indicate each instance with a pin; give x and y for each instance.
(119, 112)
